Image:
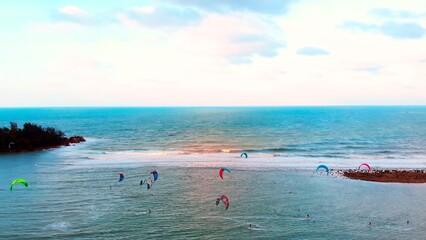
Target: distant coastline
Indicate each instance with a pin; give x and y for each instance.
(33, 137)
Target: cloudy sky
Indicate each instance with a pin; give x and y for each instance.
(212, 53)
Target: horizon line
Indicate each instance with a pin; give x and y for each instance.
(221, 106)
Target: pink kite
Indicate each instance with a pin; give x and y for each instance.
(364, 164)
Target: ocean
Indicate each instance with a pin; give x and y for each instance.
(74, 191)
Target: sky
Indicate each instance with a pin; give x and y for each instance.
(212, 53)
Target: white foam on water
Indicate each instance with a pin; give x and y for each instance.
(59, 226)
(233, 160)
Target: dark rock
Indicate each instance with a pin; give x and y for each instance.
(76, 139)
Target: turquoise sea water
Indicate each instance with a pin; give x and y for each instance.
(69, 194)
(333, 132)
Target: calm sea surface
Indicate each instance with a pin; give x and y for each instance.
(69, 194)
(333, 132)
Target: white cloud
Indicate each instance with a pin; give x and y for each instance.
(71, 14)
(205, 57)
(72, 11)
(160, 16)
(237, 38)
(143, 10)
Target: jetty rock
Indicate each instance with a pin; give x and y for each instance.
(76, 139)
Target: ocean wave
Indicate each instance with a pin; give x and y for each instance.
(313, 150)
(277, 150)
(209, 149)
(54, 164)
(374, 157)
(354, 147)
(271, 152)
(59, 226)
(254, 161)
(384, 152)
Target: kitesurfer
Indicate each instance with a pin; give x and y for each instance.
(222, 170)
(155, 175)
(323, 167)
(19, 180)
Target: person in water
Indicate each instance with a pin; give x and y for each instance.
(149, 210)
(307, 216)
(217, 201)
(250, 226)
